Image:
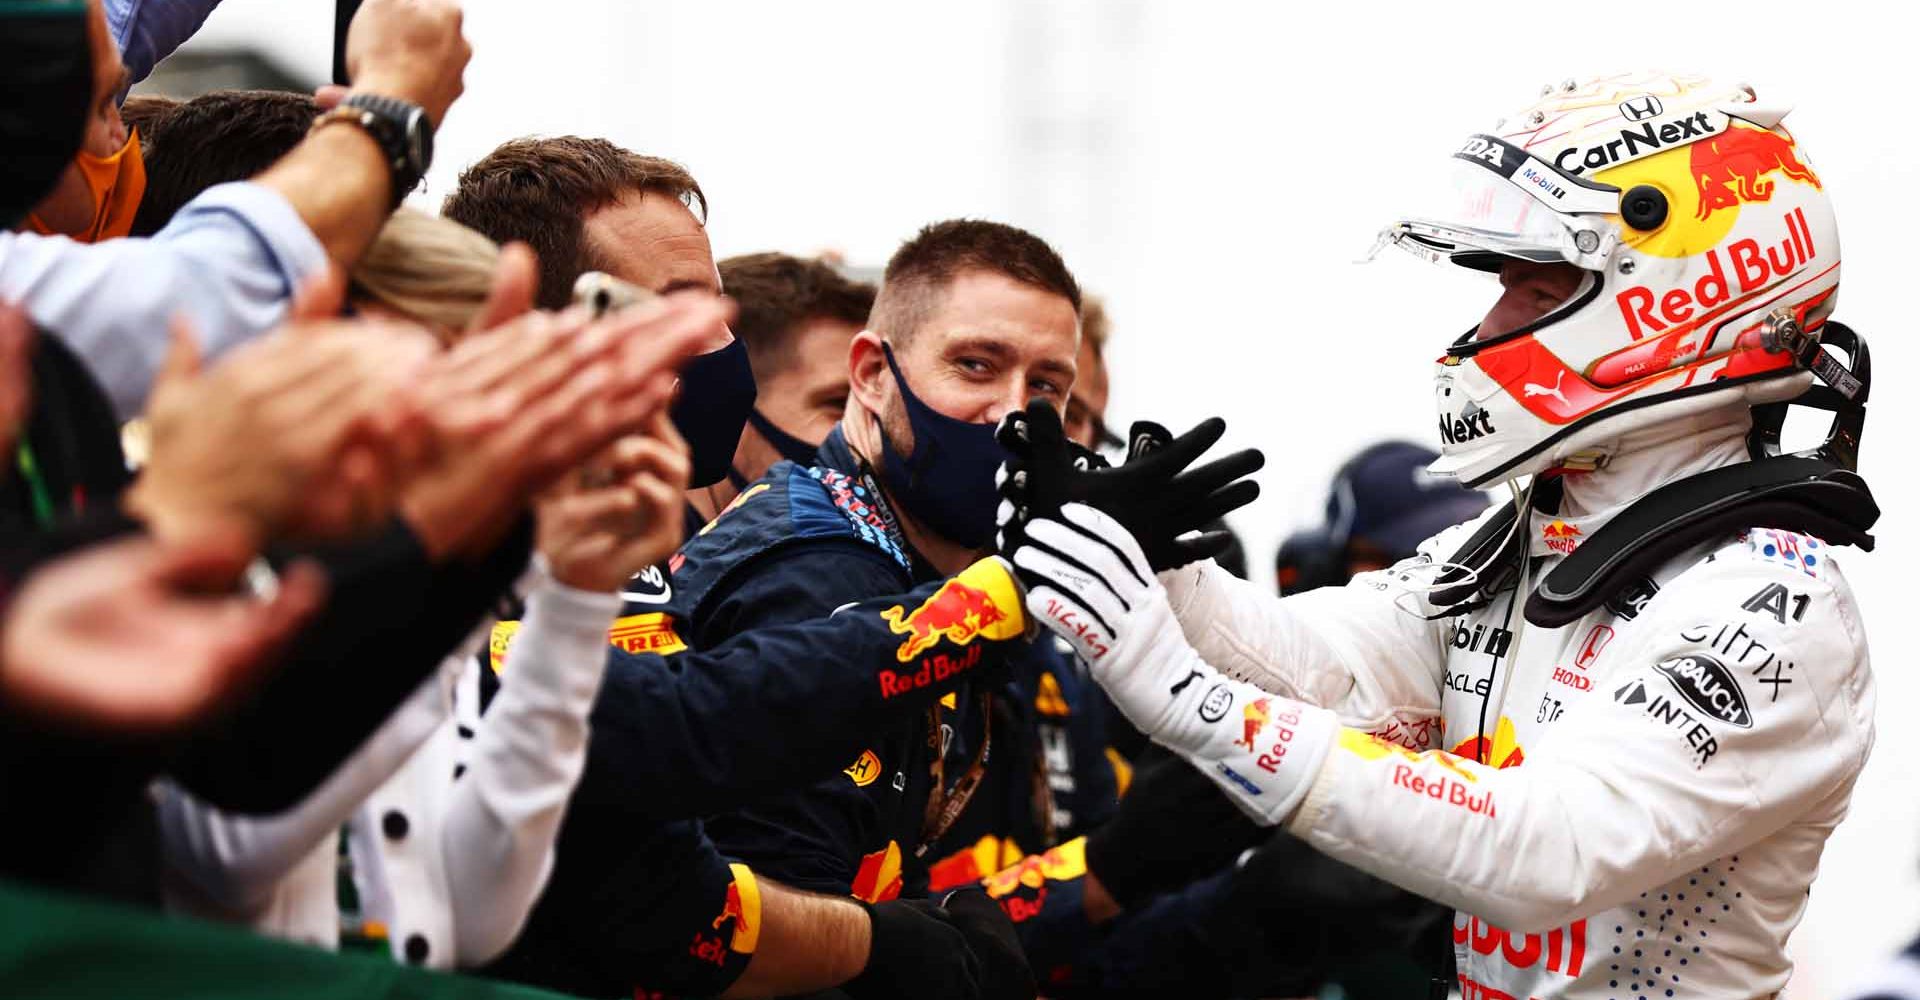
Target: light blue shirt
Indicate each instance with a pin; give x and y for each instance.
(229, 262)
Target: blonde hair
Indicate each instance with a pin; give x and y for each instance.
(1094, 325)
(428, 268)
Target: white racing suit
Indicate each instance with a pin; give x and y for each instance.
(1631, 806)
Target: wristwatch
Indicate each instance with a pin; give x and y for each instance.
(402, 130)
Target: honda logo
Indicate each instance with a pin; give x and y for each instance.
(1640, 109)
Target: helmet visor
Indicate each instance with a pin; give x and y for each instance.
(1480, 217)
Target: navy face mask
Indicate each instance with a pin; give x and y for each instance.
(948, 482)
(716, 395)
(791, 448)
(46, 86)
(786, 445)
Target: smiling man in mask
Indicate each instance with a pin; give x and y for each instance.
(589, 205)
(974, 319)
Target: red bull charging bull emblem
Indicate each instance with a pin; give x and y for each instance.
(981, 601)
(1561, 537)
(1732, 168)
(1254, 717)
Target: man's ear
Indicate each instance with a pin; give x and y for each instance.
(869, 383)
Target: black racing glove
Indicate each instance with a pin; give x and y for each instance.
(1173, 826)
(1154, 494)
(1004, 973)
(919, 949)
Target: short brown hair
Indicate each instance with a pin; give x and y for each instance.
(540, 192)
(226, 135)
(777, 293)
(923, 266)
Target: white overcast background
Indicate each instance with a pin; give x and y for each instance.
(1214, 170)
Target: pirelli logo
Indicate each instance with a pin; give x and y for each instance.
(647, 633)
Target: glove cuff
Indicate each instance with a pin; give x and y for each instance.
(1268, 754)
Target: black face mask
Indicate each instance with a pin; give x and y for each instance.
(46, 85)
(716, 396)
(947, 483)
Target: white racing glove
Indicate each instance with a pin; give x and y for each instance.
(1089, 582)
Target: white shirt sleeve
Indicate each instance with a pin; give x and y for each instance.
(1637, 787)
(229, 261)
(503, 814)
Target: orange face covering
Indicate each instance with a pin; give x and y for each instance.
(116, 183)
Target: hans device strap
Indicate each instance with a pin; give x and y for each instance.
(1794, 492)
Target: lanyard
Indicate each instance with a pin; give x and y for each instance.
(945, 804)
(1043, 791)
(43, 509)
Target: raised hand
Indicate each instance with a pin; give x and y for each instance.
(139, 636)
(1157, 494)
(513, 408)
(620, 514)
(296, 434)
(410, 49)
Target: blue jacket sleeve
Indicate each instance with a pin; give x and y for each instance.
(707, 730)
(148, 31)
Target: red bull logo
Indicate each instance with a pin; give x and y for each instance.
(1500, 750)
(981, 601)
(1561, 537)
(878, 879)
(741, 908)
(1563, 949)
(1733, 168)
(1254, 717)
(733, 910)
(1747, 264)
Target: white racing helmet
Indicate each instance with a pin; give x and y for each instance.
(1707, 245)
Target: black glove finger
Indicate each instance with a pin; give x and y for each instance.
(1044, 427)
(1164, 463)
(1086, 459)
(1201, 513)
(1203, 479)
(1146, 436)
(1012, 481)
(1013, 433)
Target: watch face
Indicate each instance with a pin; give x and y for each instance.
(419, 140)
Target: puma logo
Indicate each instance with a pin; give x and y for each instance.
(1533, 390)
